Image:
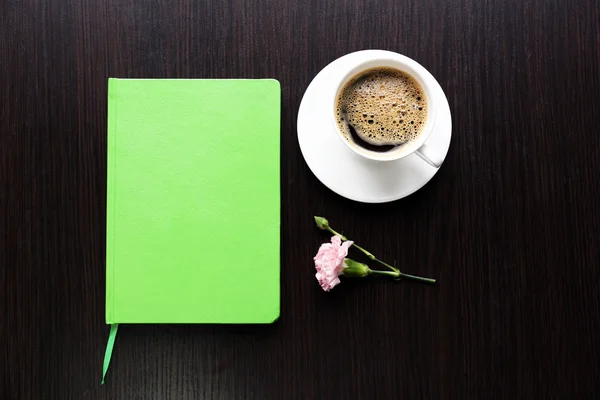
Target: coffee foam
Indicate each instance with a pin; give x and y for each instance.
(385, 106)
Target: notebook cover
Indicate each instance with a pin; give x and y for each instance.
(193, 201)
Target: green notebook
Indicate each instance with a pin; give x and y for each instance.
(193, 201)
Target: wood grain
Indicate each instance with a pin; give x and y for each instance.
(509, 226)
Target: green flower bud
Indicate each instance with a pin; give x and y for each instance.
(355, 269)
(322, 223)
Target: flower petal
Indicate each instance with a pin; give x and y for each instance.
(336, 241)
(343, 250)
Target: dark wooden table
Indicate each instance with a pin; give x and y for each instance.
(509, 226)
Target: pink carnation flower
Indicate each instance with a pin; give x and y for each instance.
(329, 262)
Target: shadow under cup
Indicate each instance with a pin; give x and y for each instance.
(418, 73)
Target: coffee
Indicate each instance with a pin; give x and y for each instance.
(381, 108)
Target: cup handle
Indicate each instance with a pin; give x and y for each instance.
(428, 155)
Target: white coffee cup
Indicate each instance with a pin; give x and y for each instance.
(417, 145)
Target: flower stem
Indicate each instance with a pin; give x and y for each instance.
(416, 278)
(367, 253)
(388, 273)
(344, 238)
(400, 275)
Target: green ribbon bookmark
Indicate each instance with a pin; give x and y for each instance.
(109, 349)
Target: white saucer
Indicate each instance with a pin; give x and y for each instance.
(345, 172)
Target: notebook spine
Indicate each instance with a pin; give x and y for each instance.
(110, 197)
